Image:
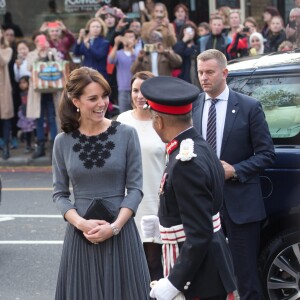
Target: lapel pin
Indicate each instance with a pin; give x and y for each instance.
(233, 111)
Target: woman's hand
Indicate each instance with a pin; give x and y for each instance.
(101, 232)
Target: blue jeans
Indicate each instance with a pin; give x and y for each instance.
(47, 106)
(124, 101)
(6, 127)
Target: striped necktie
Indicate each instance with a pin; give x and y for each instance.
(211, 132)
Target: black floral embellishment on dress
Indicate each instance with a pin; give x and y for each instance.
(105, 154)
(82, 156)
(93, 139)
(100, 163)
(82, 138)
(111, 130)
(103, 137)
(88, 147)
(91, 149)
(88, 163)
(98, 147)
(110, 145)
(75, 134)
(94, 155)
(77, 147)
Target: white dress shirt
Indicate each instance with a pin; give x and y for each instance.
(221, 108)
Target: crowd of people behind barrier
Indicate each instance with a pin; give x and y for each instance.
(119, 47)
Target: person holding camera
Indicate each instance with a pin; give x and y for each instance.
(123, 59)
(156, 58)
(20, 65)
(60, 37)
(292, 29)
(93, 46)
(159, 22)
(239, 46)
(187, 48)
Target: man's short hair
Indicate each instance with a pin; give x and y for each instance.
(213, 54)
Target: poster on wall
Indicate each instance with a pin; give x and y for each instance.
(2, 7)
(84, 5)
(231, 3)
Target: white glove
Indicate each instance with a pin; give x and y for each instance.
(164, 290)
(150, 227)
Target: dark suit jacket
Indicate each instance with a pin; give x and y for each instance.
(248, 146)
(192, 194)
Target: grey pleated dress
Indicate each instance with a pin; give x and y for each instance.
(100, 166)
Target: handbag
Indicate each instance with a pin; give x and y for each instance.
(98, 211)
(49, 76)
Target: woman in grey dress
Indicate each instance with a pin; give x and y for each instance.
(100, 158)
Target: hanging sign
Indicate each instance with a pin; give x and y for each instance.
(82, 5)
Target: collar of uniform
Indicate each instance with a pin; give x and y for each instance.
(174, 144)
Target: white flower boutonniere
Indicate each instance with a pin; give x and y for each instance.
(186, 151)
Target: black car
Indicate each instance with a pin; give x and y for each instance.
(274, 80)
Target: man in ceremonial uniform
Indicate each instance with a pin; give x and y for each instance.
(197, 260)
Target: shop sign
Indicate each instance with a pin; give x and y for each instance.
(2, 7)
(81, 5)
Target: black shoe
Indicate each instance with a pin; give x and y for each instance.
(5, 153)
(39, 150)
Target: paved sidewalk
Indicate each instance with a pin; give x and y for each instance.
(18, 158)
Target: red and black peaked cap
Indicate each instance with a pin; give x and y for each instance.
(169, 95)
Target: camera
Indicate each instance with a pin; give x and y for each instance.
(150, 48)
(127, 20)
(246, 29)
(292, 24)
(86, 32)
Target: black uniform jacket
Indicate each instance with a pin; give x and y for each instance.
(191, 195)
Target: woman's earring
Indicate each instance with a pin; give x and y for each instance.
(77, 109)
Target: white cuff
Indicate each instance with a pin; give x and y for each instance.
(164, 290)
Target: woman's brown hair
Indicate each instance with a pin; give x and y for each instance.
(77, 82)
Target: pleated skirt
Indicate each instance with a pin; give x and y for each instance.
(115, 269)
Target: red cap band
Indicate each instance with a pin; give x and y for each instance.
(172, 110)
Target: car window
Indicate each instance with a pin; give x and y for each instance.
(280, 98)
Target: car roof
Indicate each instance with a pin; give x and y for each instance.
(285, 61)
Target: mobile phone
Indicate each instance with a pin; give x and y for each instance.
(20, 57)
(189, 30)
(127, 20)
(86, 31)
(292, 24)
(110, 11)
(141, 5)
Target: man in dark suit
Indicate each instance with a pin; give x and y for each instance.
(244, 145)
(197, 260)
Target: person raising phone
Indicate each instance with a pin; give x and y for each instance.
(92, 45)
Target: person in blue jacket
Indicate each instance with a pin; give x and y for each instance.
(92, 45)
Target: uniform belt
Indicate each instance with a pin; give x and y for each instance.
(173, 235)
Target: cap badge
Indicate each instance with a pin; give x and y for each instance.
(186, 151)
(172, 146)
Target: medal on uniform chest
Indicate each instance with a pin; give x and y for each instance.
(162, 183)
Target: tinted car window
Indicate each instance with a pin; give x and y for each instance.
(280, 98)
